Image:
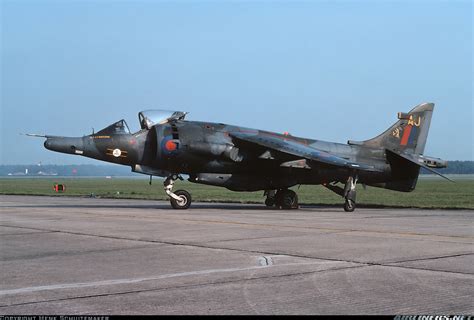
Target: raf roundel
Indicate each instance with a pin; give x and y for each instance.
(170, 145)
(117, 153)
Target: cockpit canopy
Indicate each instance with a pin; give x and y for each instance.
(119, 127)
(149, 118)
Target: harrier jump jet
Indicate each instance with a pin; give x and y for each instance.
(243, 159)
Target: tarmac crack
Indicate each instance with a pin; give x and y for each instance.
(432, 258)
(328, 230)
(385, 264)
(204, 284)
(256, 238)
(26, 233)
(190, 286)
(286, 227)
(427, 269)
(71, 253)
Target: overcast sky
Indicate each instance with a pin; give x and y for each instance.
(329, 70)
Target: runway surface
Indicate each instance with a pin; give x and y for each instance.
(101, 256)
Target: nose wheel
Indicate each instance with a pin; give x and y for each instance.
(184, 200)
(181, 199)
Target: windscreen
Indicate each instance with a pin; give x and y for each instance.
(119, 127)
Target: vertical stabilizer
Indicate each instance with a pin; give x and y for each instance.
(408, 134)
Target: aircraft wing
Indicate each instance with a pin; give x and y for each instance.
(299, 150)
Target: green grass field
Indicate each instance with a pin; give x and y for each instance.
(430, 193)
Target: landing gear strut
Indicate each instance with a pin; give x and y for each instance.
(350, 194)
(284, 199)
(270, 200)
(180, 199)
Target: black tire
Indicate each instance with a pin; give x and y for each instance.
(278, 198)
(349, 205)
(289, 199)
(270, 201)
(186, 200)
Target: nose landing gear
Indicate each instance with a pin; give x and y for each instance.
(181, 199)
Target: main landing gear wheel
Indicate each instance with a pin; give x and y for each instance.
(270, 201)
(286, 199)
(184, 202)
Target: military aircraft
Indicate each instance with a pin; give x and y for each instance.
(243, 159)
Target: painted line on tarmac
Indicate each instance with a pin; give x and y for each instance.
(137, 280)
(121, 281)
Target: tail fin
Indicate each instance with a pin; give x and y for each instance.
(404, 141)
(408, 134)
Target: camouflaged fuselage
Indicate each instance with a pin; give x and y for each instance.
(245, 159)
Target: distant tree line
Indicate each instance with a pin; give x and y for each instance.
(81, 170)
(455, 167)
(66, 170)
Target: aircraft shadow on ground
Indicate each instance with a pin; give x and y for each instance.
(146, 206)
(165, 206)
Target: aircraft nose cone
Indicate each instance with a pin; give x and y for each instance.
(48, 144)
(64, 145)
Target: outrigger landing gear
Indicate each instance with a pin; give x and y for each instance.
(181, 199)
(283, 198)
(350, 194)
